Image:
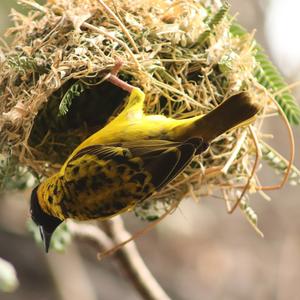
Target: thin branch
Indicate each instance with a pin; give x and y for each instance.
(287, 88)
(137, 234)
(132, 262)
(128, 256)
(92, 233)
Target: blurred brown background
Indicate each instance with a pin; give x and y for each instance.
(200, 252)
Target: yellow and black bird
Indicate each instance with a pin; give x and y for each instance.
(129, 159)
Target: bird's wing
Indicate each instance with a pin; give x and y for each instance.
(105, 180)
(164, 160)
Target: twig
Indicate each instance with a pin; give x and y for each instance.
(91, 233)
(292, 146)
(292, 149)
(128, 255)
(132, 262)
(136, 234)
(287, 88)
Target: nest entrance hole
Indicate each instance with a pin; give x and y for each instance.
(55, 136)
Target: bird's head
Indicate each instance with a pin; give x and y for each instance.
(46, 223)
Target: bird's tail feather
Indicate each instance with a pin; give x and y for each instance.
(238, 110)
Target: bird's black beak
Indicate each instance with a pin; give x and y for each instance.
(46, 237)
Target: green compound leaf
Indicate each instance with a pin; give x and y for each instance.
(74, 91)
(251, 216)
(212, 22)
(237, 29)
(22, 63)
(219, 16)
(203, 37)
(279, 163)
(269, 77)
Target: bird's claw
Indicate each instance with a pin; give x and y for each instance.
(114, 79)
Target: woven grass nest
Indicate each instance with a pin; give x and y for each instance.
(187, 56)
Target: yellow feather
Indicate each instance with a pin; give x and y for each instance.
(132, 157)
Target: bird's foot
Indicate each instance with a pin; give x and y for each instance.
(114, 79)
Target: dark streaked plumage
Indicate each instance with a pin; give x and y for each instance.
(129, 159)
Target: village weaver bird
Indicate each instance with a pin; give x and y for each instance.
(129, 159)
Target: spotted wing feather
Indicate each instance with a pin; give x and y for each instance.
(101, 181)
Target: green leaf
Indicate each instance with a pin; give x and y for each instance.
(251, 216)
(203, 37)
(237, 29)
(279, 163)
(269, 77)
(22, 63)
(74, 91)
(212, 23)
(219, 16)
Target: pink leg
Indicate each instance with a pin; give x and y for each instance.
(114, 79)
